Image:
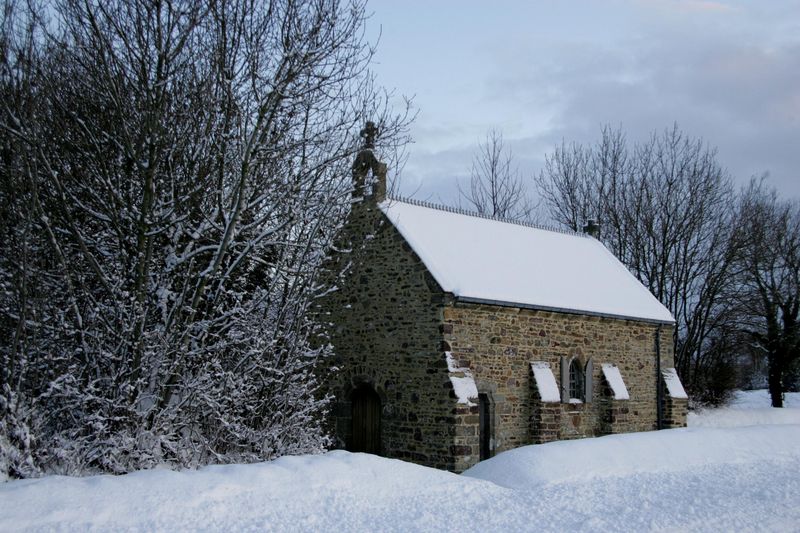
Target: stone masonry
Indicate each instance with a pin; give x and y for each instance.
(386, 320)
(498, 343)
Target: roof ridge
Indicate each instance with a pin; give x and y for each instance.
(461, 211)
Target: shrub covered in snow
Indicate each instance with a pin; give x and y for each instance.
(172, 175)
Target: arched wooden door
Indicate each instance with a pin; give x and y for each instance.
(366, 417)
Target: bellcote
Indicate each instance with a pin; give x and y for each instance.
(365, 185)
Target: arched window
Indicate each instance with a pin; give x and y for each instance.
(577, 381)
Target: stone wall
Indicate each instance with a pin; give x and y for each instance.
(675, 412)
(385, 330)
(498, 344)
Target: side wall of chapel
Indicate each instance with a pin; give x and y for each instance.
(498, 344)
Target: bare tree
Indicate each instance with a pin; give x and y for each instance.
(496, 187)
(665, 207)
(577, 181)
(173, 174)
(770, 292)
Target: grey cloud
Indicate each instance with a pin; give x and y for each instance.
(742, 98)
(730, 76)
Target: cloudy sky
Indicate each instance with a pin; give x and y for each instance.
(542, 71)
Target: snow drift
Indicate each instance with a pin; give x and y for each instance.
(675, 450)
(695, 479)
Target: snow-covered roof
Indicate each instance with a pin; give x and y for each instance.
(487, 260)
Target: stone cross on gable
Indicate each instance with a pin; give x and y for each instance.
(366, 161)
(369, 133)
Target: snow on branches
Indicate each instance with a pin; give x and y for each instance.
(173, 175)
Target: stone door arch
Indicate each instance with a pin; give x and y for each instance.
(365, 435)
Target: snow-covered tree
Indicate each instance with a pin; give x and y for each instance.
(172, 177)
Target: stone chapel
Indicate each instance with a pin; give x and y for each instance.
(458, 336)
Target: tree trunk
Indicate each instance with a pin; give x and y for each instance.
(775, 382)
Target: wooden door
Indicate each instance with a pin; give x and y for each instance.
(366, 418)
(484, 426)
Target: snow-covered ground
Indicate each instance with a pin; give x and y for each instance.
(703, 478)
(749, 408)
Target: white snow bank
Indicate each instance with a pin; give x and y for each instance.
(749, 408)
(750, 399)
(545, 382)
(635, 453)
(338, 491)
(480, 258)
(730, 418)
(614, 379)
(747, 481)
(674, 385)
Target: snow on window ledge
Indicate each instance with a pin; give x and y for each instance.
(674, 385)
(545, 382)
(614, 379)
(463, 383)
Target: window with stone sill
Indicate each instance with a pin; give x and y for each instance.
(576, 381)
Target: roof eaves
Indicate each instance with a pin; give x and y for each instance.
(499, 303)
